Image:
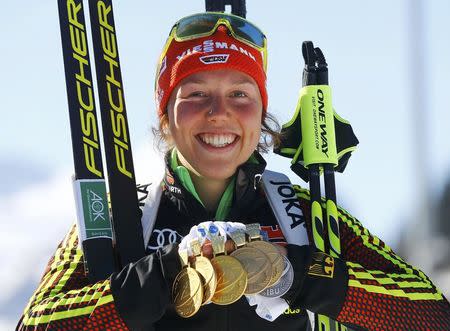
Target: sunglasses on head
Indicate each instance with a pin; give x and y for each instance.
(205, 24)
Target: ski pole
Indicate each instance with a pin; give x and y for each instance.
(317, 140)
(334, 244)
(313, 155)
(320, 154)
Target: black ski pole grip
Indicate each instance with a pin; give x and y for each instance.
(322, 67)
(309, 71)
(238, 7)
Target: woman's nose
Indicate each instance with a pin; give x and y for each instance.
(218, 109)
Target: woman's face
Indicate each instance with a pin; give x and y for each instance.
(215, 121)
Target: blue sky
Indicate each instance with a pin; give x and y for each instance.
(369, 49)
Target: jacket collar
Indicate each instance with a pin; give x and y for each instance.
(247, 178)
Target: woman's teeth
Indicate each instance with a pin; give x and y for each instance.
(217, 140)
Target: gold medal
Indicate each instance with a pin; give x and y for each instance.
(255, 262)
(205, 270)
(231, 276)
(231, 280)
(187, 290)
(189, 293)
(269, 249)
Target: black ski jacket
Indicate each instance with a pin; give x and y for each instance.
(371, 289)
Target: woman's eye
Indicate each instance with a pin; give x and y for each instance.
(197, 94)
(238, 94)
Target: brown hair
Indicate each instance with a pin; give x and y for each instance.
(270, 133)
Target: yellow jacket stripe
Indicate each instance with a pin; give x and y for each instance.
(386, 254)
(66, 314)
(60, 264)
(67, 259)
(395, 293)
(367, 276)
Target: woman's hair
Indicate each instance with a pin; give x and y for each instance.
(270, 134)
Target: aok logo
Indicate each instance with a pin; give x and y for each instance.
(96, 206)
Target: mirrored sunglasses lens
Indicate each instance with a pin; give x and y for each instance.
(248, 32)
(195, 25)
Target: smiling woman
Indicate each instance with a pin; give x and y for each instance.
(216, 120)
(215, 124)
(212, 106)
